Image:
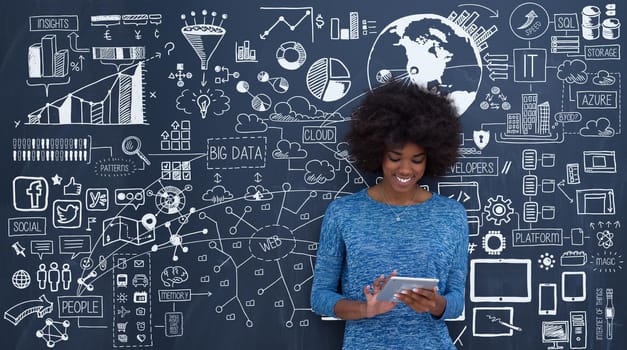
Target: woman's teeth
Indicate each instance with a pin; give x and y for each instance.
(403, 180)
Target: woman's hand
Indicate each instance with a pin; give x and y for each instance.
(373, 306)
(423, 300)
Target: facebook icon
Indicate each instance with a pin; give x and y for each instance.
(30, 193)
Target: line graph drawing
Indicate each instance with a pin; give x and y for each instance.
(281, 19)
(120, 102)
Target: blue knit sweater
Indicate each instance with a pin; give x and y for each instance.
(361, 240)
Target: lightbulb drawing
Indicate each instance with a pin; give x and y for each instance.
(204, 38)
(208, 101)
(203, 101)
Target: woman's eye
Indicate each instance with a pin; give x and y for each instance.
(418, 161)
(394, 159)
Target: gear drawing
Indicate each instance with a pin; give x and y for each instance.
(498, 210)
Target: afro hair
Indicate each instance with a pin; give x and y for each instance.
(398, 113)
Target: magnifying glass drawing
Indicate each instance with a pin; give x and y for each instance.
(132, 145)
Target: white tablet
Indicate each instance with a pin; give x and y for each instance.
(396, 284)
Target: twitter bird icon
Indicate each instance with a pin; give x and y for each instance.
(67, 213)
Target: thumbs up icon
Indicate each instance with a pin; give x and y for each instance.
(72, 188)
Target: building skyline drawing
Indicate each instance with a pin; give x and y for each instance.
(529, 111)
(534, 119)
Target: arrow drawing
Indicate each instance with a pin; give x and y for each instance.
(493, 13)
(41, 306)
(74, 43)
(531, 16)
(559, 187)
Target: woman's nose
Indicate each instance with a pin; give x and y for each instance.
(405, 167)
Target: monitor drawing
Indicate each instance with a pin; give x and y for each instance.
(500, 280)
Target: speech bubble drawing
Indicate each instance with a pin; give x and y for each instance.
(41, 247)
(567, 117)
(130, 196)
(74, 244)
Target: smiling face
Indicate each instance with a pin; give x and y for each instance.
(402, 168)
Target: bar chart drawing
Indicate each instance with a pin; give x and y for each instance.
(243, 53)
(45, 60)
(478, 33)
(367, 27)
(47, 65)
(117, 99)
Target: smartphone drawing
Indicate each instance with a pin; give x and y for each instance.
(572, 174)
(547, 294)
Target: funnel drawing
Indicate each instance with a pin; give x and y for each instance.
(204, 38)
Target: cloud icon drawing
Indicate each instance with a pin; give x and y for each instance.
(597, 128)
(288, 150)
(603, 78)
(250, 123)
(573, 72)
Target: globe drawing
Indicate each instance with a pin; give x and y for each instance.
(430, 51)
(21, 279)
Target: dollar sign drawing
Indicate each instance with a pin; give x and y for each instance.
(319, 21)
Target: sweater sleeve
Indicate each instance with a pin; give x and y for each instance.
(329, 261)
(456, 282)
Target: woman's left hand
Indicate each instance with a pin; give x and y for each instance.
(423, 300)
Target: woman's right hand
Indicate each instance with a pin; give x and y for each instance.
(373, 306)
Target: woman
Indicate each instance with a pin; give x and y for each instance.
(395, 227)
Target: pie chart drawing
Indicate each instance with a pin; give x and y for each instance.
(291, 55)
(328, 79)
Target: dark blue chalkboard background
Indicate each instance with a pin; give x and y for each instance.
(168, 194)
